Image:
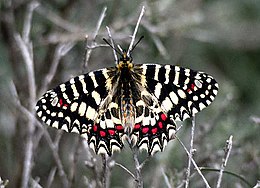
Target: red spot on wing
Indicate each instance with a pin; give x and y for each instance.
(191, 88)
(119, 127)
(160, 124)
(102, 133)
(62, 103)
(95, 128)
(145, 130)
(154, 130)
(163, 117)
(137, 126)
(111, 132)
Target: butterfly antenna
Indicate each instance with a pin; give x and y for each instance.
(136, 44)
(112, 46)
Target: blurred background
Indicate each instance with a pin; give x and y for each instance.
(219, 37)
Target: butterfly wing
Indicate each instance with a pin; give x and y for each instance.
(81, 105)
(168, 93)
(181, 92)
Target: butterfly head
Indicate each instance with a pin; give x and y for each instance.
(125, 61)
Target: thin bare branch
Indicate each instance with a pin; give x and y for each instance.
(224, 160)
(53, 146)
(88, 51)
(57, 20)
(193, 162)
(166, 179)
(135, 31)
(126, 169)
(75, 158)
(25, 47)
(191, 152)
(60, 51)
(51, 177)
(99, 23)
(159, 45)
(138, 176)
(112, 43)
(28, 22)
(105, 172)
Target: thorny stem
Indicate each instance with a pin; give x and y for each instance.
(135, 31)
(191, 152)
(194, 163)
(224, 160)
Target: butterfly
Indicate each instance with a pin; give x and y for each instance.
(138, 103)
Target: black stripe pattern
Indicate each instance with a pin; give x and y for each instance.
(139, 103)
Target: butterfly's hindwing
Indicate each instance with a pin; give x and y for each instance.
(153, 129)
(105, 136)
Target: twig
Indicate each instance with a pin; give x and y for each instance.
(100, 20)
(138, 176)
(51, 177)
(60, 51)
(144, 162)
(105, 172)
(88, 51)
(112, 43)
(135, 31)
(159, 45)
(52, 145)
(191, 152)
(75, 159)
(26, 50)
(241, 178)
(166, 179)
(57, 20)
(27, 24)
(224, 160)
(126, 169)
(194, 163)
(34, 183)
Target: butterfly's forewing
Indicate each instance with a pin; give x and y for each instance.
(181, 92)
